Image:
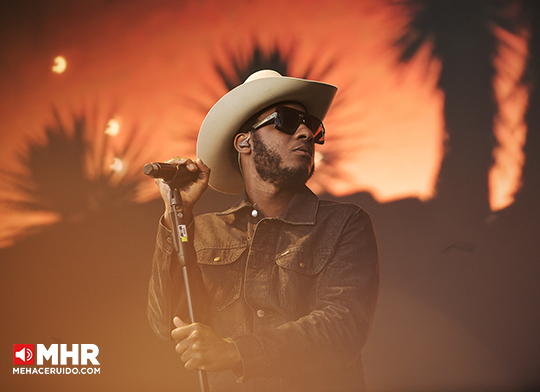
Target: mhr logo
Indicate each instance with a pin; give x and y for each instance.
(23, 354)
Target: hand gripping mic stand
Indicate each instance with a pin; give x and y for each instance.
(180, 238)
(175, 176)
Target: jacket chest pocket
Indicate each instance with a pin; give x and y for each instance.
(298, 272)
(222, 271)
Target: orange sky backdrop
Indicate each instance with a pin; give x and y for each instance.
(152, 67)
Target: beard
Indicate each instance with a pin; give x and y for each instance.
(268, 164)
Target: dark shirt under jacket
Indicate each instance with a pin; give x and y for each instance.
(296, 294)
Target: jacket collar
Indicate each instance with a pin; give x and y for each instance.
(302, 209)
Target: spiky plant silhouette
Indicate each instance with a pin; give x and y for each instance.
(236, 68)
(258, 60)
(67, 174)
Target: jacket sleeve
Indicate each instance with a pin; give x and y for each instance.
(333, 334)
(166, 292)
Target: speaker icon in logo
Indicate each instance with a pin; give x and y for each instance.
(23, 354)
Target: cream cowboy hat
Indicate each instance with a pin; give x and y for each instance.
(261, 90)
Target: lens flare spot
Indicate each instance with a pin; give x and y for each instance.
(117, 165)
(113, 127)
(60, 65)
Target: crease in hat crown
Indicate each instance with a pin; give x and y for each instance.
(265, 73)
(259, 91)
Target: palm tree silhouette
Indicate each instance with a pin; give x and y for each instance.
(462, 35)
(68, 174)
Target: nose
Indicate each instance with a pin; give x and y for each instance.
(303, 132)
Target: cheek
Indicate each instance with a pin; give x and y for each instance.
(273, 139)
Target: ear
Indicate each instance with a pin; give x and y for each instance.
(241, 143)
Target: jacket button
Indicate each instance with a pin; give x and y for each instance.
(254, 213)
(169, 240)
(302, 265)
(260, 313)
(217, 258)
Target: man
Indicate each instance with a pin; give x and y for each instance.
(290, 282)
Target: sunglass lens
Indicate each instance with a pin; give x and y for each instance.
(311, 123)
(316, 127)
(287, 121)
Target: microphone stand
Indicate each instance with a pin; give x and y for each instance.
(180, 238)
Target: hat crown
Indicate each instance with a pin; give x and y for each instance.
(265, 73)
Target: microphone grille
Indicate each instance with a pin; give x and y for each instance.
(150, 168)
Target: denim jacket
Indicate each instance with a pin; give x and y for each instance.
(296, 294)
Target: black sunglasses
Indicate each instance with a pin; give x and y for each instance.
(287, 120)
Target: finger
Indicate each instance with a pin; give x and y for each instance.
(181, 333)
(191, 166)
(190, 331)
(201, 166)
(179, 160)
(178, 322)
(182, 347)
(204, 171)
(191, 350)
(194, 363)
(187, 162)
(188, 347)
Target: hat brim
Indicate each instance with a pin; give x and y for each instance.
(225, 118)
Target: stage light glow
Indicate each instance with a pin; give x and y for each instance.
(318, 157)
(117, 165)
(60, 65)
(113, 127)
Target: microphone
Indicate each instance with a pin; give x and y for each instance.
(169, 172)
